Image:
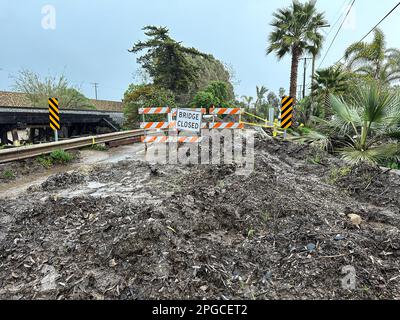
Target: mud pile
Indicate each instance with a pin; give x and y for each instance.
(138, 231)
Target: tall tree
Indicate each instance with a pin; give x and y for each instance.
(295, 31)
(38, 90)
(374, 59)
(166, 60)
(261, 92)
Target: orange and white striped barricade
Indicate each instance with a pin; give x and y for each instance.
(171, 139)
(154, 125)
(226, 125)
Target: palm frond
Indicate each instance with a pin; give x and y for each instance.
(373, 155)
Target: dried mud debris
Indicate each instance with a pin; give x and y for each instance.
(178, 232)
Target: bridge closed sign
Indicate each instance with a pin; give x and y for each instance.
(187, 120)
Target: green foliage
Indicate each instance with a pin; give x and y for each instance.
(45, 161)
(220, 90)
(142, 96)
(7, 175)
(166, 60)
(210, 70)
(251, 233)
(329, 81)
(374, 60)
(56, 157)
(393, 165)
(181, 70)
(61, 156)
(338, 173)
(99, 147)
(204, 99)
(217, 93)
(365, 123)
(39, 90)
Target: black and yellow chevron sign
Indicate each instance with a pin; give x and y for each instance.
(287, 112)
(54, 114)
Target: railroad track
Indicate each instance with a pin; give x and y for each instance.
(25, 152)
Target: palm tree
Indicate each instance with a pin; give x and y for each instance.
(367, 124)
(248, 100)
(295, 31)
(261, 92)
(329, 81)
(374, 60)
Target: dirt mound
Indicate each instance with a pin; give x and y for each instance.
(62, 180)
(371, 184)
(196, 232)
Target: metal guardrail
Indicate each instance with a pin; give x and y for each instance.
(25, 152)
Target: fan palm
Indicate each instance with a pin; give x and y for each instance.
(368, 121)
(329, 81)
(365, 125)
(295, 31)
(374, 60)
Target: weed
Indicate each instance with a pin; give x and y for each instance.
(316, 159)
(251, 233)
(61, 156)
(393, 165)
(45, 161)
(338, 173)
(8, 174)
(265, 216)
(56, 157)
(99, 147)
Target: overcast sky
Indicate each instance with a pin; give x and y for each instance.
(91, 37)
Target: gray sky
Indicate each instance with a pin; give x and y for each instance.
(91, 37)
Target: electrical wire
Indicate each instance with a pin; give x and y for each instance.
(377, 25)
(337, 33)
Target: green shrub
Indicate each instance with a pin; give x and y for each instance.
(61, 156)
(8, 174)
(99, 147)
(338, 173)
(393, 165)
(45, 161)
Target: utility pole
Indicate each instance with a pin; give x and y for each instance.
(314, 59)
(305, 74)
(95, 84)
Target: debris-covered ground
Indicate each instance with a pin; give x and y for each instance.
(134, 231)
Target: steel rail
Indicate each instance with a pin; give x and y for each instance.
(24, 152)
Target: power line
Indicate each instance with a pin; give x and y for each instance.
(337, 33)
(383, 19)
(339, 17)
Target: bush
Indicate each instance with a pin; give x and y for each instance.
(142, 96)
(99, 147)
(45, 161)
(61, 156)
(8, 175)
